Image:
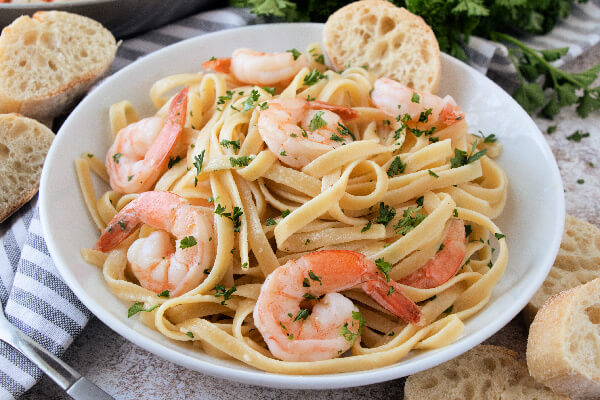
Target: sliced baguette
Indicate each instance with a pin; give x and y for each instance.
(391, 41)
(485, 372)
(24, 143)
(563, 348)
(50, 60)
(577, 262)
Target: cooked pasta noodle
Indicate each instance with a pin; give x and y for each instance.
(337, 201)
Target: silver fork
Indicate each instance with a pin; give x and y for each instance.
(66, 377)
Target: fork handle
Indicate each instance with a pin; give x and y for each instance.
(59, 371)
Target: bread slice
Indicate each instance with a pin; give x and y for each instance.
(50, 60)
(577, 262)
(391, 41)
(485, 372)
(563, 348)
(24, 143)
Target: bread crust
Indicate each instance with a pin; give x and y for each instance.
(46, 103)
(24, 143)
(553, 347)
(391, 41)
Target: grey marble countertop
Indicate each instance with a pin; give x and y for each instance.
(126, 371)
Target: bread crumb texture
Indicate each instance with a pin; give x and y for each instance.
(24, 144)
(577, 262)
(563, 348)
(485, 372)
(391, 41)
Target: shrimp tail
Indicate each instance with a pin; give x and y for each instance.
(393, 300)
(222, 65)
(346, 113)
(118, 229)
(444, 265)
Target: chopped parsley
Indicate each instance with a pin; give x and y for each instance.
(270, 90)
(122, 224)
(317, 121)
(307, 242)
(424, 115)
(320, 59)
(129, 178)
(173, 161)
(314, 277)
(397, 167)
(283, 153)
(385, 267)
(343, 131)
(116, 157)
(198, 160)
(499, 236)
(295, 53)
(221, 291)
(303, 313)
(228, 96)
(455, 213)
(270, 222)
(305, 283)
(164, 293)
(441, 248)
(285, 213)
(347, 333)
(137, 307)
(433, 173)
(575, 136)
(580, 181)
(253, 98)
(491, 138)
(461, 158)
(235, 217)
(336, 138)
(309, 296)
(187, 241)
(415, 98)
(263, 105)
(242, 161)
(468, 230)
(411, 218)
(386, 214)
(233, 144)
(310, 98)
(313, 77)
(390, 291)
(366, 227)
(90, 155)
(190, 334)
(448, 310)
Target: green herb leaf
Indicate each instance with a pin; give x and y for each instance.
(270, 222)
(297, 54)
(116, 157)
(386, 214)
(242, 161)
(313, 77)
(303, 313)
(221, 291)
(314, 277)
(165, 293)
(385, 267)
(186, 242)
(411, 218)
(397, 167)
(138, 307)
(233, 144)
(317, 121)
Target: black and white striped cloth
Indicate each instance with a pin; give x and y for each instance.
(32, 292)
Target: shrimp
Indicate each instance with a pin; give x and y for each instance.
(293, 333)
(260, 68)
(444, 264)
(155, 262)
(141, 150)
(396, 100)
(286, 124)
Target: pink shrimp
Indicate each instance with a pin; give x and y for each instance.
(293, 333)
(141, 150)
(397, 100)
(260, 68)
(285, 126)
(444, 264)
(154, 261)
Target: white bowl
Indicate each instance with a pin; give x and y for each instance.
(532, 221)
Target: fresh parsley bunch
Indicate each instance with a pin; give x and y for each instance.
(453, 21)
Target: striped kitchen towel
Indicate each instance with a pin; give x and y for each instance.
(31, 290)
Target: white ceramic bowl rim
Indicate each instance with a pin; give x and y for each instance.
(253, 376)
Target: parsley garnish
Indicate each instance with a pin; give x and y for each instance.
(317, 121)
(461, 158)
(424, 115)
(221, 291)
(415, 98)
(190, 334)
(386, 214)
(186, 242)
(580, 181)
(390, 291)
(235, 217)
(420, 201)
(320, 59)
(302, 314)
(455, 213)
(164, 293)
(233, 144)
(578, 135)
(122, 224)
(499, 236)
(242, 161)
(491, 138)
(336, 138)
(222, 99)
(285, 213)
(468, 230)
(448, 310)
(433, 173)
(137, 307)
(313, 77)
(295, 53)
(309, 296)
(283, 153)
(249, 102)
(314, 277)
(198, 160)
(270, 90)
(173, 161)
(305, 283)
(411, 218)
(343, 131)
(366, 227)
(270, 222)
(116, 157)
(90, 155)
(347, 333)
(397, 167)
(384, 267)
